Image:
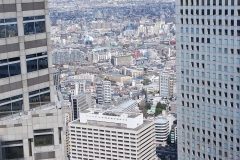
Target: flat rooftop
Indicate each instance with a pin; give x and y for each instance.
(111, 112)
(115, 75)
(144, 124)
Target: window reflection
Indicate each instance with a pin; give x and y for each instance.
(14, 69)
(33, 25)
(4, 71)
(34, 101)
(2, 31)
(28, 28)
(11, 30)
(43, 140)
(37, 61)
(39, 100)
(40, 27)
(8, 28)
(12, 152)
(32, 65)
(11, 108)
(10, 67)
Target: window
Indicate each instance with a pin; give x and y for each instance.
(12, 147)
(34, 25)
(10, 67)
(8, 28)
(11, 105)
(37, 61)
(39, 97)
(43, 137)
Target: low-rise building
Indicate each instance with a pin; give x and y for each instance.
(132, 72)
(116, 77)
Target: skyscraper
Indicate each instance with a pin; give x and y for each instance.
(208, 79)
(31, 126)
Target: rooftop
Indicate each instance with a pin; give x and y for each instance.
(144, 124)
(126, 104)
(111, 112)
(161, 120)
(115, 75)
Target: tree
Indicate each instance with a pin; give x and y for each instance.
(148, 106)
(145, 81)
(159, 108)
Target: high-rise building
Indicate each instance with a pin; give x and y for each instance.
(112, 135)
(104, 92)
(31, 126)
(208, 79)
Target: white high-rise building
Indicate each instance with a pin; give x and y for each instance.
(208, 79)
(112, 135)
(104, 92)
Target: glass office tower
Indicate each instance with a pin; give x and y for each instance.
(208, 79)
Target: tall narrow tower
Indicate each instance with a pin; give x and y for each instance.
(208, 79)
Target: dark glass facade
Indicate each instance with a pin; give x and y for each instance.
(34, 25)
(75, 113)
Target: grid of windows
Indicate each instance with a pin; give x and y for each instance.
(10, 67)
(91, 142)
(37, 61)
(34, 25)
(8, 28)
